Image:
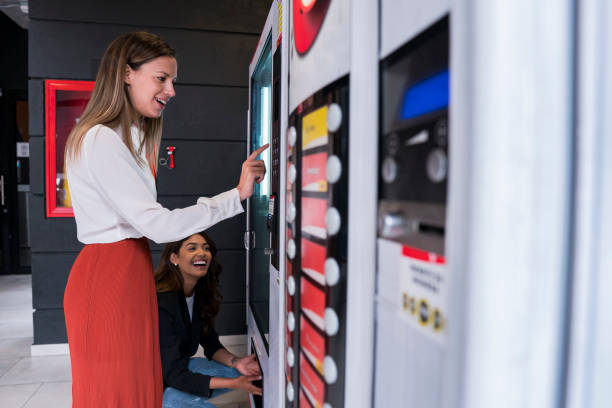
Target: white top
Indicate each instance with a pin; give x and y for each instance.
(114, 198)
(189, 301)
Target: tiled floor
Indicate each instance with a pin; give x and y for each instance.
(37, 382)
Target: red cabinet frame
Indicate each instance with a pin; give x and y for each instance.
(52, 117)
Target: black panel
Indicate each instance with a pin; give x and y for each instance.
(204, 57)
(49, 326)
(36, 102)
(236, 15)
(37, 165)
(51, 234)
(206, 113)
(231, 319)
(233, 277)
(202, 168)
(49, 281)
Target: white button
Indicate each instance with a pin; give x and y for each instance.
(334, 169)
(291, 136)
(327, 405)
(332, 221)
(334, 117)
(290, 357)
(330, 371)
(389, 170)
(291, 212)
(292, 173)
(437, 165)
(291, 322)
(291, 249)
(332, 272)
(290, 395)
(331, 322)
(291, 286)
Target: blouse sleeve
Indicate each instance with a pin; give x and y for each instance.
(121, 182)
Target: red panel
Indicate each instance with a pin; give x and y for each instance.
(313, 258)
(312, 301)
(61, 113)
(312, 343)
(313, 213)
(421, 255)
(314, 172)
(304, 401)
(310, 380)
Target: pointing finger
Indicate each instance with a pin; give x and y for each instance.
(258, 151)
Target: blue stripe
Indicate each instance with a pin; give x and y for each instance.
(426, 96)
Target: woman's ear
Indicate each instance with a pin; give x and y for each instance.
(173, 258)
(128, 75)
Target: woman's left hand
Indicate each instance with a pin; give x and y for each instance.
(247, 365)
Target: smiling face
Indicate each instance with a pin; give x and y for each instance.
(151, 85)
(193, 258)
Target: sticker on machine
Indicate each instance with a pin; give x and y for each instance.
(423, 291)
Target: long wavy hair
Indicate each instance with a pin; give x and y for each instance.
(168, 278)
(110, 104)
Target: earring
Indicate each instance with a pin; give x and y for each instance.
(175, 264)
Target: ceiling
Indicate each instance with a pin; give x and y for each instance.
(17, 10)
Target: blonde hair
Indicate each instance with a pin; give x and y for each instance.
(110, 105)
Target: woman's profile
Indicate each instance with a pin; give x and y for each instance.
(110, 303)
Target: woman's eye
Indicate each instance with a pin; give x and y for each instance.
(161, 79)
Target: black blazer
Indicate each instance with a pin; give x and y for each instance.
(178, 340)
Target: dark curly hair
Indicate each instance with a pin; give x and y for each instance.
(168, 277)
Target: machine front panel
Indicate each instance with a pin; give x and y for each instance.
(320, 155)
(412, 274)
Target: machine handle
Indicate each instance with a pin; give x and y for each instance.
(249, 240)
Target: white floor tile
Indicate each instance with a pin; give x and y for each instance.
(15, 322)
(16, 291)
(14, 396)
(6, 364)
(56, 395)
(38, 369)
(15, 347)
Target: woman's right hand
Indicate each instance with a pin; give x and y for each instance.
(253, 171)
(245, 382)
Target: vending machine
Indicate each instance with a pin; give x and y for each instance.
(413, 278)
(316, 201)
(265, 209)
(474, 184)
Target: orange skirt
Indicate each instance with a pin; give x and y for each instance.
(112, 323)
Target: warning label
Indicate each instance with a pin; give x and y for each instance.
(423, 291)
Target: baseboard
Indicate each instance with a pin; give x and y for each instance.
(37, 350)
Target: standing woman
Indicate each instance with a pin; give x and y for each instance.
(111, 158)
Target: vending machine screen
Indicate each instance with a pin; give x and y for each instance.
(262, 200)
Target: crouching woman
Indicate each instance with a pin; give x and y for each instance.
(188, 300)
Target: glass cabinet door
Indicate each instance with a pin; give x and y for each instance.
(259, 258)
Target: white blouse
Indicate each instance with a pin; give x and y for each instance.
(114, 198)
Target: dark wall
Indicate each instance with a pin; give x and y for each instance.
(206, 122)
(13, 55)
